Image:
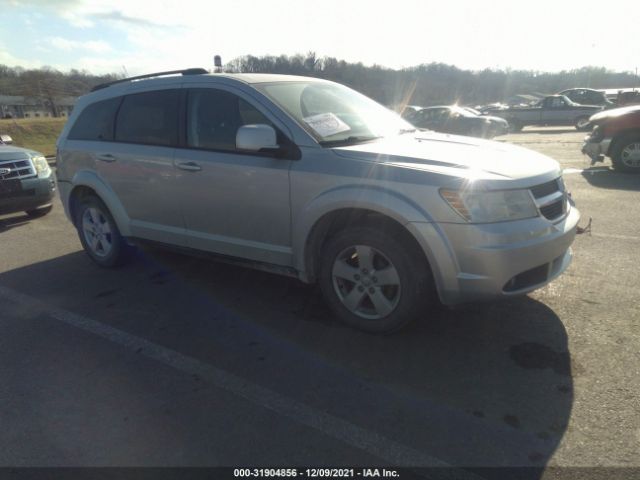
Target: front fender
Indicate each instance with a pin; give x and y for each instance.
(88, 178)
(378, 200)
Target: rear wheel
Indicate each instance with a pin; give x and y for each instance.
(373, 281)
(99, 233)
(626, 154)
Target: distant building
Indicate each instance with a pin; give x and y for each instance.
(12, 106)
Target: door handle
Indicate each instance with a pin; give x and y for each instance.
(189, 166)
(106, 157)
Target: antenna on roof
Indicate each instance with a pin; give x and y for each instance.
(217, 63)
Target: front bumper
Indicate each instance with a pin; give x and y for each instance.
(474, 262)
(35, 193)
(596, 150)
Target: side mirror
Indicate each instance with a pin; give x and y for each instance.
(6, 139)
(255, 138)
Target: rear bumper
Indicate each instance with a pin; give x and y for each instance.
(36, 193)
(488, 261)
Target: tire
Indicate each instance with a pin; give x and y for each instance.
(478, 131)
(374, 281)
(39, 212)
(582, 124)
(626, 154)
(515, 125)
(99, 233)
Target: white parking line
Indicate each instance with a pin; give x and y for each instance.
(568, 171)
(368, 441)
(618, 237)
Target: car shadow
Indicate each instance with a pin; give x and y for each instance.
(611, 179)
(486, 385)
(8, 223)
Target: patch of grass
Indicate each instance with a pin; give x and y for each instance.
(38, 134)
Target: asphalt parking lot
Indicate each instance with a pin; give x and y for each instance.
(179, 361)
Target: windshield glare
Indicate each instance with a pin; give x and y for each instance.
(334, 113)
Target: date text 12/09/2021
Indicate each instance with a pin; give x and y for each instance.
(316, 472)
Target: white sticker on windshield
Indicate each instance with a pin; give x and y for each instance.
(326, 124)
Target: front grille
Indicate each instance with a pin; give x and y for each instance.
(553, 210)
(550, 198)
(545, 189)
(18, 169)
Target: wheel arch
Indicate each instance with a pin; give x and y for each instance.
(348, 207)
(88, 183)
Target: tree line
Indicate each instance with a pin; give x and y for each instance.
(426, 84)
(433, 83)
(48, 86)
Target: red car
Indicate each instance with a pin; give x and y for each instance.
(616, 135)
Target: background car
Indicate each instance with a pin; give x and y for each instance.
(587, 96)
(552, 110)
(460, 121)
(616, 135)
(26, 180)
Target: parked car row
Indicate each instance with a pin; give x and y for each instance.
(557, 110)
(571, 107)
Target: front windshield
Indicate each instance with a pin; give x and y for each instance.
(472, 111)
(334, 114)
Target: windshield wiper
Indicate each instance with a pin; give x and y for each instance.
(353, 140)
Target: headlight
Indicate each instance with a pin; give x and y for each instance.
(488, 207)
(40, 164)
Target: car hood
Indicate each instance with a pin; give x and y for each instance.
(8, 152)
(494, 118)
(613, 113)
(457, 156)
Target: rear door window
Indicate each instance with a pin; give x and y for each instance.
(149, 118)
(96, 122)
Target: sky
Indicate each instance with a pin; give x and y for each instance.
(136, 36)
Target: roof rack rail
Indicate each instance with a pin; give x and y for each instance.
(187, 71)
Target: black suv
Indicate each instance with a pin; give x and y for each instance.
(26, 181)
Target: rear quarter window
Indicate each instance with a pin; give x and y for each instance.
(149, 118)
(96, 122)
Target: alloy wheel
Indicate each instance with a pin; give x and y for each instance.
(366, 282)
(97, 232)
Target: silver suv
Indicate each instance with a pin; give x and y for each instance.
(308, 178)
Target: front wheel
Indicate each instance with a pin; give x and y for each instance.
(515, 125)
(373, 280)
(626, 154)
(99, 233)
